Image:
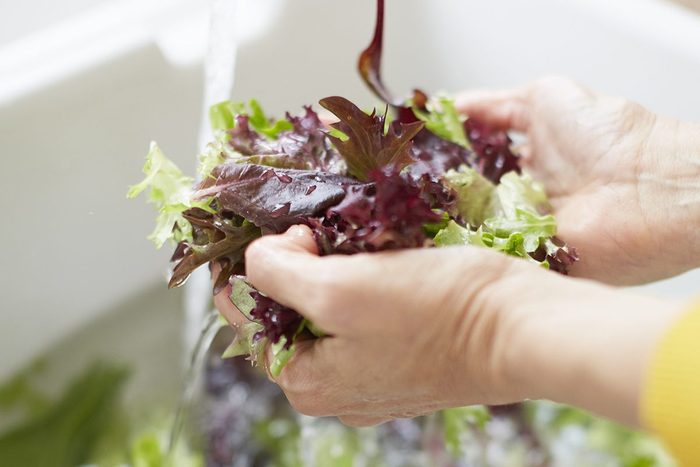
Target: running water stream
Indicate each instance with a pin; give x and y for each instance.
(219, 75)
(193, 376)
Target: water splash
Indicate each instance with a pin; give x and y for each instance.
(219, 75)
(193, 377)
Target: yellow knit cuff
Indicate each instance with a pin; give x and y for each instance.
(671, 398)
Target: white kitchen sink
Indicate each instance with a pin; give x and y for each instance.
(74, 138)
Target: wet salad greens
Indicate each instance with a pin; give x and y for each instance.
(413, 174)
(362, 189)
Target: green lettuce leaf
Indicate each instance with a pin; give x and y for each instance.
(531, 227)
(520, 206)
(455, 235)
(243, 342)
(474, 194)
(171, 193)
(441, 117)
(519, 191)
(222, 116)
(215, 153)
(509, 216)
(280, 356)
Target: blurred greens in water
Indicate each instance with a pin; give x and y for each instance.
(626, 448)
(65, 432)
(84, 425)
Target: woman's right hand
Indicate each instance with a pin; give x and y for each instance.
(624, 183)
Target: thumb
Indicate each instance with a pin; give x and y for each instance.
(285, 267)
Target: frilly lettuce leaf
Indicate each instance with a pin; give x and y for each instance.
(519, 191)
(214, 154)
(243, 343)
(520, 206)
(369, 147)
(222, 116)
(508, 215)
(454, 235)
(171, 193)
(474, 194)
(441, 117)
(531, 226)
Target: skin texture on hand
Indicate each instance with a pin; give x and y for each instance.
(625, 183)
(415, 331)
(406, 328)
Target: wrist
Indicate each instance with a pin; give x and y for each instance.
(586, 345)
(669, 183)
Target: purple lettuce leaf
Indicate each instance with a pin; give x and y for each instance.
(367, 147)
(494, 155)
(217, 238)
(273, 199)
(278, 321)
(434, 156)
(305, 146)
(370, 60)
(388, 213)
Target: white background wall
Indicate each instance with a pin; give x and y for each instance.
(74, 135)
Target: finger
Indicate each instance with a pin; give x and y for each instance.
(311, 379)
(223, 303)
(358, 421)
(303, 237)
(288, 269)
(503, 110)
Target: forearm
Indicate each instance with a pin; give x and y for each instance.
(587, 345)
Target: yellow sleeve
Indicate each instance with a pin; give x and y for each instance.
(671, 398)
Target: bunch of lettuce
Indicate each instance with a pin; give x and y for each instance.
(420, 176)
(365, 184)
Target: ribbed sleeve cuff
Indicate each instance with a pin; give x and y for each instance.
(671, 398)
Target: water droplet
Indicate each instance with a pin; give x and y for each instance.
(280, 209)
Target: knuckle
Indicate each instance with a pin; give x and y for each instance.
(254, 252)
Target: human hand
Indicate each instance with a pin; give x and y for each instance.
(624, 182)
(415, 331)
(410, 333)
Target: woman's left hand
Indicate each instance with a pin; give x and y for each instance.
(415, 331)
